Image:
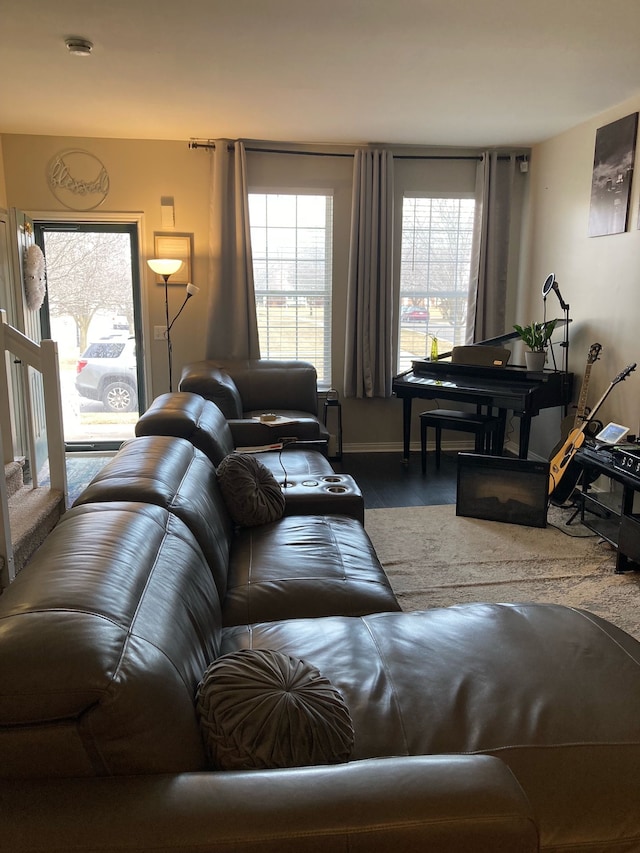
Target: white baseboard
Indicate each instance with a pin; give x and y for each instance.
(414, 447)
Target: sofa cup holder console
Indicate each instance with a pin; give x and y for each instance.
(334, 488)
(323, 494)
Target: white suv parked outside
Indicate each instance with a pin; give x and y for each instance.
(106, 371)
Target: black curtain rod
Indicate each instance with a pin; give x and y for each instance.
(308, 153)
(343, 154)
(437, 156)
(477, 157)
(212, 146)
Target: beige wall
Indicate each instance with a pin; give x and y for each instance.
(3, 185)
(140, 173)
(598, 276)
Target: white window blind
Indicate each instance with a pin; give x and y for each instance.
(291, 241)
(435, 263)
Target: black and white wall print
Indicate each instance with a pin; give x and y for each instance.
(612, 173)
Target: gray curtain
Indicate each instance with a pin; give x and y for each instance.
(368, 348)
(490, 253)
(232, 330)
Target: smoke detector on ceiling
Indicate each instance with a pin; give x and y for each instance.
(79, 46)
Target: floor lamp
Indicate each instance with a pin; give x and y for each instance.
(166, 267)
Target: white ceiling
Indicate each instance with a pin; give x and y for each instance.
(426, 72)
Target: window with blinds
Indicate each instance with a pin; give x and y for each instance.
(437, 236)
(291, 242)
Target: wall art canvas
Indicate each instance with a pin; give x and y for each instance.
(612, 173)
(178, 246)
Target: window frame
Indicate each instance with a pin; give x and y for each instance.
(324, 364)
(427, 295)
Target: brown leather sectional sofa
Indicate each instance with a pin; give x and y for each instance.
(308, 481)
(481, 727)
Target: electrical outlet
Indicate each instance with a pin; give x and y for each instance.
(159, 333)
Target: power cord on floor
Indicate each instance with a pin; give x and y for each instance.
(285, 442)
(575, 508)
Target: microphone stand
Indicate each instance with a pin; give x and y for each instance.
(552, 284)
(544, 320)
(565, 340)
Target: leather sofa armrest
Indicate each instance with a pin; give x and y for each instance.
(213, 384)
(443, 803)
(247, 432)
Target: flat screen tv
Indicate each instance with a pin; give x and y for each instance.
(499, 488)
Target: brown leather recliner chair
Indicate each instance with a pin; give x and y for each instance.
(245, 389)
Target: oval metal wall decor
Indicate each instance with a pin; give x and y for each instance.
(78, 179)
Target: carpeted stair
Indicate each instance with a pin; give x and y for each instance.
(33, 513)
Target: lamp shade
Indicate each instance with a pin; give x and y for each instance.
(164, 266)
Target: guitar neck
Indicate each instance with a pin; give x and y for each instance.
(561, 460)
(593, 411)
(582, 401)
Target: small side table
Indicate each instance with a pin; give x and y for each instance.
(332, 401)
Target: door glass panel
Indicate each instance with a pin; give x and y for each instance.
(91, 314)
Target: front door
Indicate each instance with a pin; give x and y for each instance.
(92, 310)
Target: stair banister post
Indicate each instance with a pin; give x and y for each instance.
(6, 425)
(53, 416)
(7, 570)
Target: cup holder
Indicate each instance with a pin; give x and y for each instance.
(332, 479)
(336, 490)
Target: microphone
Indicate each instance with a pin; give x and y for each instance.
(550, 283)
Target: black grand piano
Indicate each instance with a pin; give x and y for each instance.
(523, 392)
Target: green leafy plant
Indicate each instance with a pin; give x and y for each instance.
(536, 335)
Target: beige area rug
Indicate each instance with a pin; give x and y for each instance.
(434, 558)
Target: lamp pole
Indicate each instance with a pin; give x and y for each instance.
(168, 332)
(191, 291)
(166, 267)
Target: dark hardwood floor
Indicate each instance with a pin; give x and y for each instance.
(382, 477)
(386, 482)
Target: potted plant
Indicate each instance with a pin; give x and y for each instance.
(536, 337)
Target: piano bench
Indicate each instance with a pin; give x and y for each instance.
(484, 427)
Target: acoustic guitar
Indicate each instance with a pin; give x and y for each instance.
(582, 412)
(575, 439)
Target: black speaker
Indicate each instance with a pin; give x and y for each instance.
(499, 488)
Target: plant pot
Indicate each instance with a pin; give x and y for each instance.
(535, 360)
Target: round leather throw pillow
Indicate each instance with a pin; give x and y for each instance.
(262, 709)
(250, 490)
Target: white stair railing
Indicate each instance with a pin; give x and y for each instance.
(42, 357)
